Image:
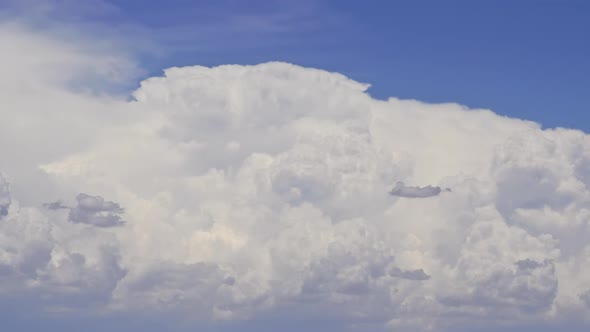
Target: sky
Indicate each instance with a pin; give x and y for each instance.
(525, 59)
(294, 166)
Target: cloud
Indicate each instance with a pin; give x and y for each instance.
(586, 298)
(57, 205)
(528, 264)
(50, 266)
(94, 210)
(261, 193)
(402, 190)
(5, 199)
(410, 275)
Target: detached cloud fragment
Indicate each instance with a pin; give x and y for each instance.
(94, 210)
(417, 275)
(402, 190)
(5, 199)
(529, 264)
(585, 297)
(57, 205)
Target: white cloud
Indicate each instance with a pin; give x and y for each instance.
(253, 191)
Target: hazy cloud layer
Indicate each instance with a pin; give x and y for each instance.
(263, 192)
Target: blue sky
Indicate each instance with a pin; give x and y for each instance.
(526, 59)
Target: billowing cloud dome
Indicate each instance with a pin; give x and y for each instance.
(241, 192)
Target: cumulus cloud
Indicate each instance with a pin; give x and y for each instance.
(94, 210)
(47, 265)
(91, 210)
(263, 191)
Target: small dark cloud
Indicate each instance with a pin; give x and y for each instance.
(4, 210)
(409, 274)
(5, 199)
(94, 210)
(585, 297)
(57, 205)
(528, 264)
(230, 281)
(401, 190)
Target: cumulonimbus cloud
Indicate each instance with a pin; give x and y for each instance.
(257, 190)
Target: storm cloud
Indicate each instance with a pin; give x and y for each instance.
(240, 194)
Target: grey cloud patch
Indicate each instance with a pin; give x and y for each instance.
(57, 205)
(94, 210)
(401, 190)
(183, 284)
(229, 281)
(528, 264)
(531, 288)
(297, 189)
(417, 275)
(5, 199)
(585, 297)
